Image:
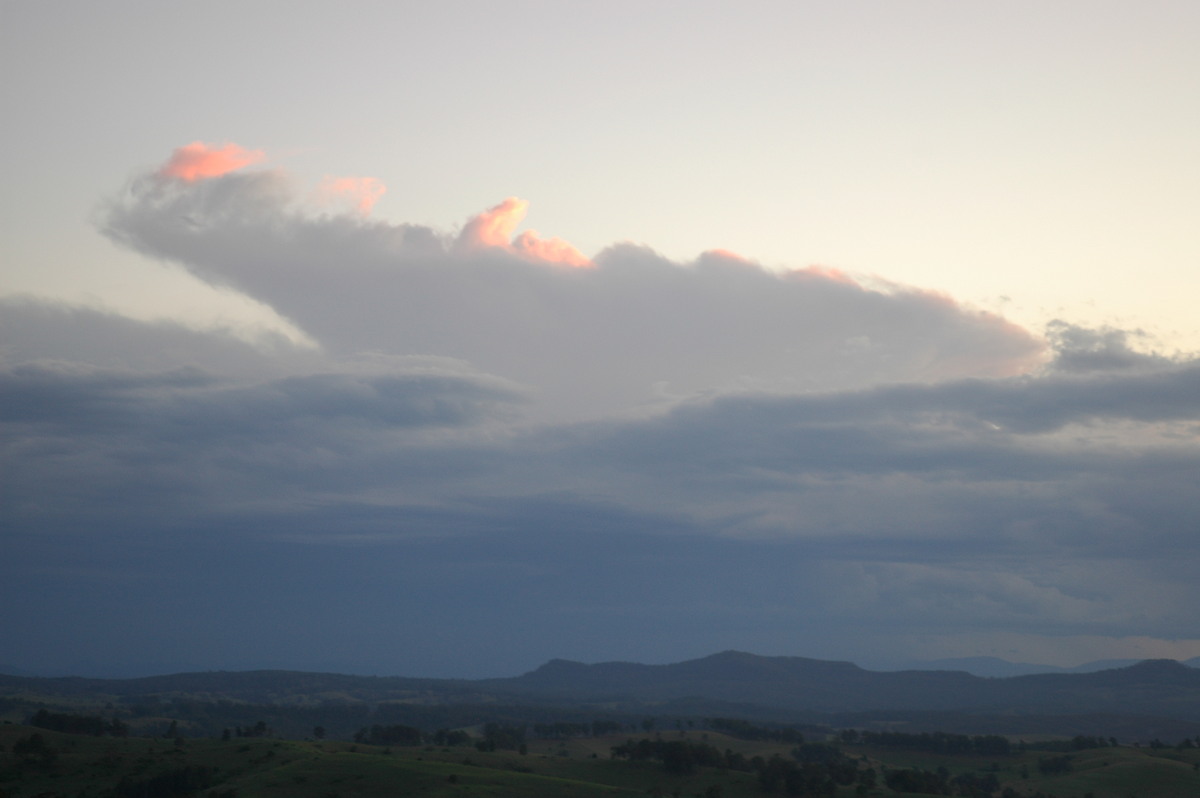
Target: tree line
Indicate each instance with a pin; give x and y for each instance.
(78, 724)
(932, 742)
(815, 769)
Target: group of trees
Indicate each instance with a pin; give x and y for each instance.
(676, 756)
(78, 724)
(496, 736)
(260, 729)
(1185, 743)
(932, 742)
(35, 751)
(450, 737)
(939, 782)
(745, 730)
(566, 730)
(1050, 765)
(397, 734)
(813, 770)
(499, 736)
(810, 778)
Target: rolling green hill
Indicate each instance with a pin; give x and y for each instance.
(62, 765)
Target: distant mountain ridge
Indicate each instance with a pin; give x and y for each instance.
(745, 684)
(997, 667)
(1159, 687)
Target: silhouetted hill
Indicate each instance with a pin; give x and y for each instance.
(997, 667)
(991, 667)
(730, 683)
(1157, 687)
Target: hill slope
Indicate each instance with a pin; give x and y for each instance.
(731, 683)
(1153, 687)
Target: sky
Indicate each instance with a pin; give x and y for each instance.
(443, 339)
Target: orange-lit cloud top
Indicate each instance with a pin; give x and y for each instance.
(824, 273)
(550, 250)
(726, 254)
(197, 161)
(494, 228)
(363, 191)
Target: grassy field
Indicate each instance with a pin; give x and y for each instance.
(75, 766)
(1122, 772)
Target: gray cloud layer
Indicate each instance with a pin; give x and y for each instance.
(641, 459)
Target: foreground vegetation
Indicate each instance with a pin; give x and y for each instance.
(567, 759)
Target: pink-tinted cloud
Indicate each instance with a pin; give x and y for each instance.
(726, 254)
(551, 250)
(494, 229)
(722, 322)
(197, 161)
(363, 191)
(823, 273)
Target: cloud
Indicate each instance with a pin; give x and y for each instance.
(533, 247)
(364, 192)
(386, 394)
(493, 229)
(633, 330)
(891, 468)
(105, 443)
(1085, 349)
(32, 329)
(200, 161)
(795, 462)
(745, 520)
(1098, 463)
(937, 595)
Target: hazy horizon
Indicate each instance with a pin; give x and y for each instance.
(146, 670)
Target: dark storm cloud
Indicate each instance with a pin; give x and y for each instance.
(1032, 404)
(741, 520)
(81, 398)
(1016, 428)
(88, 446)
(1080, 460)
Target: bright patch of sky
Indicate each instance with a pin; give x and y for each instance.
(1034, 159)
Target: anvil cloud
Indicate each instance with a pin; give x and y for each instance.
(497, 450)
(628, 329)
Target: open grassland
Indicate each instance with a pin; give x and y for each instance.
(87, 767)
(99, 766)
(1122, 773)
(77, 766)
(1119, 772)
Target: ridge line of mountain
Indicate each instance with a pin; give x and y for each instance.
(1147, 694)
(728, 656)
